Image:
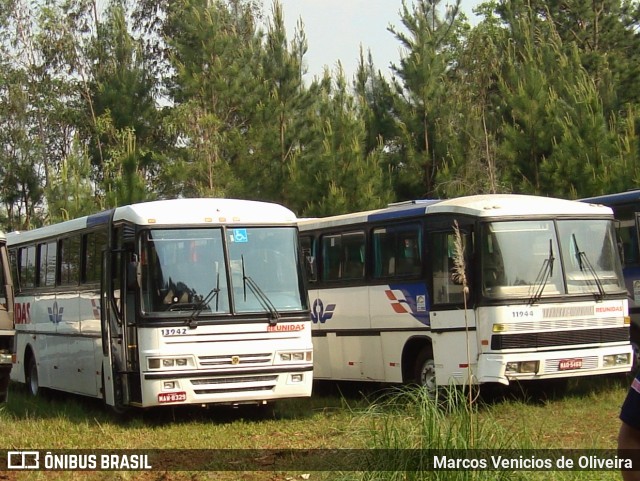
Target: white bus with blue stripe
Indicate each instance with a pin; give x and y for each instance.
(187, 301)
(543, 298)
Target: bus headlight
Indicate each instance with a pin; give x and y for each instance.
(295, 356)
(616, 360)
(522, 367)
(169, 362)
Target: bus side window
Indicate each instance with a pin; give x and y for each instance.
(343, 256)
(397, 251)
(69, 259)
(331, 250)
(27, 267)
(628, 236)
(447, 288)
(353, 255)
(15, 266)
(47, 255)
(94, 244)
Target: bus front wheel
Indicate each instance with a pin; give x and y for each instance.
(425, 371)
(33, 386)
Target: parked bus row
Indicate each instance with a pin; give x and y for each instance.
(204, 301)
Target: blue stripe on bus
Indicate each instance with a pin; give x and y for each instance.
(100, 218)
(416, 298)
(615, 199)
(400, 212)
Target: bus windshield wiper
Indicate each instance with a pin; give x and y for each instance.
(583, 261)
(546, 271)
(265, 302)
(204, 302)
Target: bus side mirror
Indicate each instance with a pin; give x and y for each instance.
(310, 267)
(621, 250)
(134, 273)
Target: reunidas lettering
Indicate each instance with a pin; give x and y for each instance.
(286, 328)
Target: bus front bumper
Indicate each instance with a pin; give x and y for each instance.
(506, 367)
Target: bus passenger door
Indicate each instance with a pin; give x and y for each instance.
(109, 324)
(118, 335)
(451, 315)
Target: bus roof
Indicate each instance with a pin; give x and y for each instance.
(620, 198)
(485, 206)
(204, 211)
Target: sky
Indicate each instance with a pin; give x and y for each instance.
(335, 30)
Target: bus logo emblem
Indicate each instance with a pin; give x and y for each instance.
(235, 360)
(318, 313)
(55, 313)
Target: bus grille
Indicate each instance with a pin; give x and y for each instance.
(553, 312)
(558, 338)
(227, 380)
(234, 384)
(242, 360)
(234, 389)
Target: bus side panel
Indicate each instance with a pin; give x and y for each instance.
(63, 312)
(17, 371)
(322, 355)
(42, 342)
(361, 358)
(344, 314)
(90, 329)
(392, 346)
(69, 361)
(399, 311)
(452, 359)
(399, 306)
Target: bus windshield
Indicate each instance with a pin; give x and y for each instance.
(532, 259)
(185, 270)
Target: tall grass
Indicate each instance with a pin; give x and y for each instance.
(409, 423)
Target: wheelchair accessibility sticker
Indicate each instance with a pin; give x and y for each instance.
(240, 235)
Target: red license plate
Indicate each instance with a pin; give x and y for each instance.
(569, 364)
(172, 397)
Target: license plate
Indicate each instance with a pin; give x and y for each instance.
(172, 397)
(569, 364)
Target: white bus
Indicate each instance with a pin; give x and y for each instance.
(187, 301)
(6, 320)
(546, 298)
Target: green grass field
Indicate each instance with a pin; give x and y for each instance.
(344, 416)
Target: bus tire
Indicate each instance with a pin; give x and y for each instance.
(425, 371)
(31, 377)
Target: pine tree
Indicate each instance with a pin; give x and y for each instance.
(421, 89)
